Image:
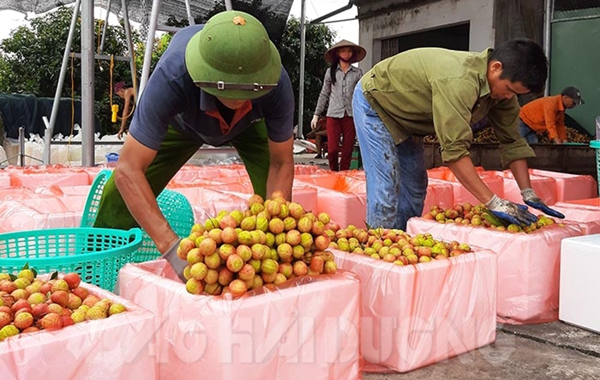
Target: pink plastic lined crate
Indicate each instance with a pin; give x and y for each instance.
(587, 216)
(41, 212)
(303, 195)
(438, 192)
(44, 176)
(343, 198)
(570, 186)
(307, 327)
(586, 202)
(208, 203)
(4, 179)
(545, 187)
(528, 265)
(461, 194)
(417, 315)
(113, 348)
(16, 193)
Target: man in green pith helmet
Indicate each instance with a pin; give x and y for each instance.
(217, 83)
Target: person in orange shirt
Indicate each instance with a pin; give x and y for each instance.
(548, 114)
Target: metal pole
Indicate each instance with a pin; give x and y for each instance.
(302, 58)
(228, 5)
(105, 27)
(129, 45)
(61, 82)
(87, 83)
(22, 146)
(149, 47)
(189, 13)
(548, 38)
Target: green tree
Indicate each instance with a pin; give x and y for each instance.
(318, 39)
(31, 58)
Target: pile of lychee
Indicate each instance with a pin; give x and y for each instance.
(467, 214)
(395, 246)
(269, 243)
(29, 304)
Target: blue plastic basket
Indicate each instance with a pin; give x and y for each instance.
(175, 207)
(96, 254)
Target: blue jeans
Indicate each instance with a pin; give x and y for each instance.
(396, 175)
(528, 133)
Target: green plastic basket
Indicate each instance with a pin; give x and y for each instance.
(596, 145)
(96, 254)
(178, 212)
(93, 200)
(175, 207)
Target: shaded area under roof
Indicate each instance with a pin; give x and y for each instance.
(139, 10)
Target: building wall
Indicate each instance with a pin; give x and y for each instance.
(384, 19)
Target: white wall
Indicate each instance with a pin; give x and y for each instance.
(480, 14)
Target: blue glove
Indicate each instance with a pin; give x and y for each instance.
(530, 198)
(177, 264)
(511, 212)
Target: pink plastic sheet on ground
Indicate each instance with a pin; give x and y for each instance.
(112, 348)
(528, 265)
(413, 316)
(461, 194)
(545, 187)
(570, 186)
(41, 212)
(308, 328)
(587, 216)
(44, 176)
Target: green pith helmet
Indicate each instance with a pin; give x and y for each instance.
(232, 57)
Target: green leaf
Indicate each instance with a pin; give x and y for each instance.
(12, 277)
(54, 276)
(35, 273)
(26, 266)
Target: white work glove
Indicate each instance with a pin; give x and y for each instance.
(531, 199)
(511, 212)
(314, 122)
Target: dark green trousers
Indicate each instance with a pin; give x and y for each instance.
(252, 146)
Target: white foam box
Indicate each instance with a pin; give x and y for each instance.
(579, 302)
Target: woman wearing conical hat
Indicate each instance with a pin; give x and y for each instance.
(338, 86)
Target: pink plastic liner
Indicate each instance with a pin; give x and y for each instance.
(587, 216)
(545, 187)
(4, 179)
(38, 176)
(413, 316)
(41, 212)
(528, 265)
(306, 328)
(570, 186)
(113, 348)
(461, 194)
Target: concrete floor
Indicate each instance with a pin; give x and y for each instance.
(532, 352)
